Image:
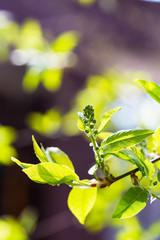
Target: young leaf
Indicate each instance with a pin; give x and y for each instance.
(40, 155)
(51, 173)
(56, 155)
(106, 117)
(128, 157)
(124, 139)
(65, 42)
(153, 141)
(22, 165)
(152, 89)
(81, 201)
(131, 203)
(104, 135)
(148, 166)
(156, 196)
(80, 122)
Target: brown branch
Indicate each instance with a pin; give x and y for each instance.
(106, 182)
(132, 172)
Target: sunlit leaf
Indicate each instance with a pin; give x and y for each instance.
(10, 229)
(128, 157)
(7, 135)
(31, 36)
(152, 89)
(39, 153)
(21, 164)
(86, 2)
(31, 79)
(106, 117)
(56, 155)
(81, 201)
(6, 152)
(156, 196)
(104, 135)
(45, 124)
(131, 203)
(51, 173)
(51, 79)
(65, 42)
(124, 139)
(153, 141)
(80, 122)
(148, 166)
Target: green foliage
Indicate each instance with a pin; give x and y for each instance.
(45, 124)
(103, 92)
(45, 60)
(86, 2)
(152, 89)
(56, 155)
(7, 137)
(56, 168)
(123, 139)
(65, 42)
(81, 201)
(106, 117)
(131, 203)
(51, 173)
(12, 228)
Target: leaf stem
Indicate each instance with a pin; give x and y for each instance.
(132, 172)
(95, 145)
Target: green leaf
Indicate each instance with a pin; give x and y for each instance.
(45, 124)
(7, 135)
(40, 155)
(51, 79)
(128, 157)
(106, 117)
(81, 201)
(65, 42)
(56, 155)
(104, 135)
(80, 122)
(154, 230)
(6, 152)
(51, 173)
(158, 175)
(156, 196)
(21, 164)
(131, 203)
(124, 139)
(148, 166)
(31, 79)
(152, 89)
(153, 141)
(86, 2)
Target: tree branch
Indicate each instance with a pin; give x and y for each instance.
(132, 172)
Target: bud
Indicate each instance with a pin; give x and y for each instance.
(86, 131)
(96, 132)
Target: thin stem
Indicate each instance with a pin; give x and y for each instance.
(132, 172)
(95, 145)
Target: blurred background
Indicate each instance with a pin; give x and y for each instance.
(56, 56)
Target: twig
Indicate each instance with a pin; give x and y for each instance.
(132, 172)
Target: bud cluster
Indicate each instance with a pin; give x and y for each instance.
(89, 121)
